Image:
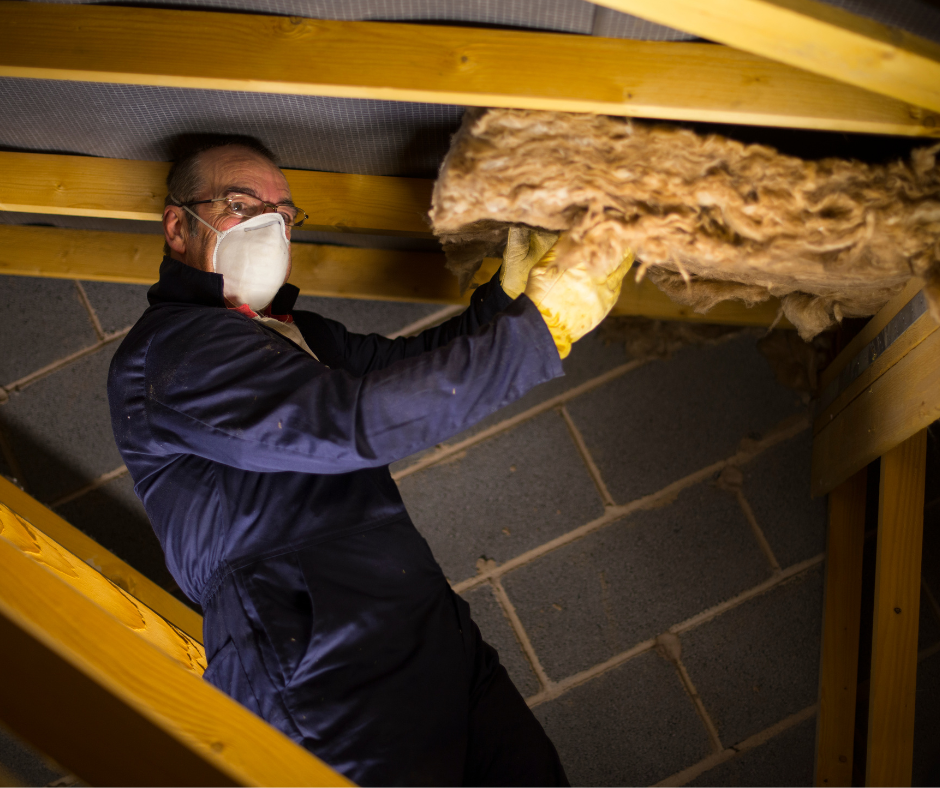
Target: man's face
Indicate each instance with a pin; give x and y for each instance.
(224, 171)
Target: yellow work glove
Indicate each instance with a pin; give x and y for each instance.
(524, 249)
(573, 300)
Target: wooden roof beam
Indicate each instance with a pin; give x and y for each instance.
(320, 270)
(466, 66)
(48, 183)
(883, 402)
(112, 568)
(70, 639)
(813, 36)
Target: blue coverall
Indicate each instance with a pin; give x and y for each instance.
(264, 473)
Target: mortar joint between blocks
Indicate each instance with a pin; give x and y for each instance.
(586, 458)
(92, 315)
(509, 611)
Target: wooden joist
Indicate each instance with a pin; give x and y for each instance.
(814, 36)
(124, 607)
(894, 397)
(319, 270)
(459, 65)
(155, 722)
(121, 189)
(896, 615)
(838, 665)
(112, 568)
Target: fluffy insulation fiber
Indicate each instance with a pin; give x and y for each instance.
(709, 218)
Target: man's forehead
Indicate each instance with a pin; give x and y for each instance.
(235, 166)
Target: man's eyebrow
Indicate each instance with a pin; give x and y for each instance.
(252, 193)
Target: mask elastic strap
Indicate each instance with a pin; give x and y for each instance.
(199, 218)
(195, 215)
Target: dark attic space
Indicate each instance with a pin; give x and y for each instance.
(642, 540)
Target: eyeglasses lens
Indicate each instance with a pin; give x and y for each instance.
(248, 206)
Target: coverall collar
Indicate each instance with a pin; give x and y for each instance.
(180, 283)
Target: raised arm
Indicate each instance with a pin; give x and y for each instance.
(227, 391)
(359, 354)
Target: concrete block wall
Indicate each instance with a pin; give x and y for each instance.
(636, 539)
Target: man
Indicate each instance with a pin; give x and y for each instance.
(259, 439)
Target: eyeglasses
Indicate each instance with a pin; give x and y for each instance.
(246, 206)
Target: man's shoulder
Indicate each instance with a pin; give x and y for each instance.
(173, 331)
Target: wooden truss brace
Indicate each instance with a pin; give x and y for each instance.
(122, 189)
(74, 640)
(895, 394)
(468, 66)
(111, 568)
(810, 35)
(878, 398)
(318, 269)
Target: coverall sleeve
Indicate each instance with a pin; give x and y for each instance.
(230, 391)
(363, 353)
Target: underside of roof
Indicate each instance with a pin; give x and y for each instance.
(315, 132)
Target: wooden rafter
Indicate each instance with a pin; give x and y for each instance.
(80, 575)
(318, 269)
(444, 65)
(112, 568)
(895, 396)
(72, 639)
(810, 35)
(122, 189)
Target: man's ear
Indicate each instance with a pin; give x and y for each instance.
(174, 230)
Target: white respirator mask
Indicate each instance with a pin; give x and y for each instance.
(253, 258)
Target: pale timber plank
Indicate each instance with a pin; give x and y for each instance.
(897, 607)
(126, 608)
(449, 65)
(109, 565)
(872, 328)
(155, 723)
(63, 185)
(320, 270)
(810, 35)
(922, 328)
(838, 669)
(902, 401)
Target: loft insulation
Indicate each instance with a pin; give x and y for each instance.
(709, 218)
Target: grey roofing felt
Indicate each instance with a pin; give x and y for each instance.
(315, 132)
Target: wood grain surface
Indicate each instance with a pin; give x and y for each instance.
(83, 686)
(68, 538)
(838, 668)
(482, 67)
(897, 610)
(321, 270)
(845, 46)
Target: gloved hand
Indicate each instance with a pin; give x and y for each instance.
(524, 249)
(573, 300)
